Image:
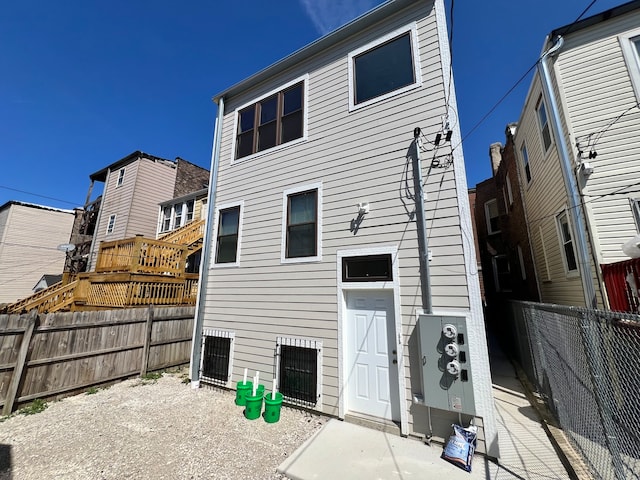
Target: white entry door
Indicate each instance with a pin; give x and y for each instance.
(371, 354)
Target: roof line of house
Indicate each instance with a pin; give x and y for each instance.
(101, 175)
(34, 205)
(362, 22)
(595, 19)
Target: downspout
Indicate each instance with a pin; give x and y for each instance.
(423, 241)
(575, 208)
(196, 343)
(589, 334)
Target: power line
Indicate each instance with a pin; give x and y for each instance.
(38, 195)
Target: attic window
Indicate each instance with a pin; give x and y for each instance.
(120, 177)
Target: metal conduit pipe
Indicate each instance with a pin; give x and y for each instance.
(196, 343)
(575, 208)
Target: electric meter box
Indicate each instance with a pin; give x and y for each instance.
(447, 381)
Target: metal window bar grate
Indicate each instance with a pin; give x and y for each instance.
(216, 356)
(298, 370)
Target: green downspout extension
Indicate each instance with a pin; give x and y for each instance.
(196, 343)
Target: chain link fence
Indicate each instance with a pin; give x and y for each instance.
(584, 363)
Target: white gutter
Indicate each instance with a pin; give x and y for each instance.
(575, 205)
(196, 343)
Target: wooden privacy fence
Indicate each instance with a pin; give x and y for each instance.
(45, 356)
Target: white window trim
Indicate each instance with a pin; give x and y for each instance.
(523, 270)
(180, 206)
(635, 210)
(509, 191)
(283, 242)
(568, 273)
(545, 149)
(111, 224)
(631, 58)
(225, 334)
(496, 281)
(526, 161)
(120, 180)
(544, 253)
(413, 28)
(304, 343)
(305, 116)
(488, 217)
(216, 224)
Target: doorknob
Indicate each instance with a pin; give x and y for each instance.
(395, 352)
(395, 361)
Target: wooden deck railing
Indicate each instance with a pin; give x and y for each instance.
(189, 234)
(142, 255)
(93, 290)
(57, 297)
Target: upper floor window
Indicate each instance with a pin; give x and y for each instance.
(189, 211)
(302, 224)
(177, 219)
(566, 242)
(501, 273)
(525, 162)
(228, 235)
(508, 192)
(544, 124)
(383, 68)
(271, 121)
(630, 44)
(166, 219)
(111, 224)
(492, 216)
(120, 177)
(635, 208)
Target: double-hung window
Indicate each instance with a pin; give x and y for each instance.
(543, 123)
(301, 225)
(630, 44)
(189, 211)
(228, 234)
(566, 243)
(492, 216)
(166, 219)
(111, 224)
(177, 223)
(388, 66)
(501, 273)
(635, 208)
(274, 120)
(120, 177)
(525, 162)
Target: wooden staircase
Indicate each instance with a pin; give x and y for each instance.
(133, 272)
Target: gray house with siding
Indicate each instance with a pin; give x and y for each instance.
(579, 155)
(316, 272)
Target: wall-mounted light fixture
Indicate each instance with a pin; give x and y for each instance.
(363, 208)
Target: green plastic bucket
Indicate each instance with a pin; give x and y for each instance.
(242, 390)
(272, 407)
(253, 406)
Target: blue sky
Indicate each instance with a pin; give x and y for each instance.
(84, 83)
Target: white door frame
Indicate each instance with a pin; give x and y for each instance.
(394, 285)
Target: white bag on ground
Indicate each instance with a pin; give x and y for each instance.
(461, 446)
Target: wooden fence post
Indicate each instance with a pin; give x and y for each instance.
(32, 319)
(147, 342)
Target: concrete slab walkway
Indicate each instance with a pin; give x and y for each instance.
(347, 451)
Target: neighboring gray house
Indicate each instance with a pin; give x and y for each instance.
(29, 238)
(312, 266)
(579, 155)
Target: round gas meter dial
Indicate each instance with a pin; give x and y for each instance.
(451, 349)
(449, 331)
(453, 368)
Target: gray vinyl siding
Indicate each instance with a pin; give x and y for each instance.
(357, 156)
(30, 237)
(597, 89)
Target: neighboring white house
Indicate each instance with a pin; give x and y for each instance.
(29, 239)
(312, 260)
(579, 216)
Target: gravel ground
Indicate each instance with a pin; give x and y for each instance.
(150, 430)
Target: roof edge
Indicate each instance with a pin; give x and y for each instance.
(101, 175)
(595, 19)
